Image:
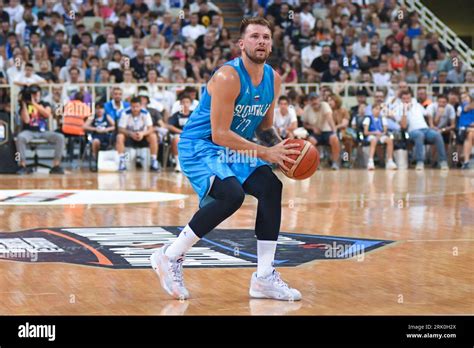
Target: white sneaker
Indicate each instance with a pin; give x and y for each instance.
(272, 286)
(444, 165)
(370, 164)
(391, 165)
(170, 272)
(420, 166)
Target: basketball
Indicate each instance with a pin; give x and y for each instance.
(306, 162)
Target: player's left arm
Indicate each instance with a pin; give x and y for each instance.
(266, 132)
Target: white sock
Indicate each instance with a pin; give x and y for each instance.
(153, 157)
(266, 255)
(183, 243)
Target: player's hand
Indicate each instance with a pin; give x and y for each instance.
(279, 153)
(139, 136)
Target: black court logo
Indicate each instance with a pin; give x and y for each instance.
(131, 247)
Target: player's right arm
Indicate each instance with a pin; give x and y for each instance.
(224, 88)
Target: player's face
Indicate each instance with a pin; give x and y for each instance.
(257, 43)
(99, 111)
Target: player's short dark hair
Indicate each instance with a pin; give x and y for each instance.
(74, 69)
(99, 105)
(254, 20)
(442, 96)
(283, 97)
(29, 65)
(135, 100)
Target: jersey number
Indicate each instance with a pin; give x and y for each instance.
(245, 123)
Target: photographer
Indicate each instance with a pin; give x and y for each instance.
(36, 116)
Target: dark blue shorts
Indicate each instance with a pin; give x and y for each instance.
(322, 138)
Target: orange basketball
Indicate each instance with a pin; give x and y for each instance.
(306, 162)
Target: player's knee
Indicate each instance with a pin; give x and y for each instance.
(235, 197)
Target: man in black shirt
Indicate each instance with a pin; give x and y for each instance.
(374, 58)
(36, 116)
(121, 29)
(319, 65)
(138, 64)
(332, 74)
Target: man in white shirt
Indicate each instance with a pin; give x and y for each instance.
(285, 120)
(310, 53)
(107, 49)
(307, 16)
(15, 10)
(382, 76)
(136, 130)
(193, 30)
(28, 77)
(65, 76)
(412, 117)
(362, 47)
(131, 51)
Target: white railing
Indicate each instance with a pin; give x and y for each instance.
(346, 91)
(447, 37)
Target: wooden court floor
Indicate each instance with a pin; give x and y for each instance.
(428, 270)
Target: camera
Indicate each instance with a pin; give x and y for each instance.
(27, 92)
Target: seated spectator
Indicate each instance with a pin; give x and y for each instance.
(318, 121)
(121, 29)
(193, 30)
(36, 116)
(136, 130)
(176, 124)
(374, 56)
(382, 76)
(285, 120)
(397, 61)
(442, 117)
(466, 127)
(350, 62)
(287, 72)
(319, 65)
(411, 71)
(107, 49)
(333, 73)
(102, 126)
(422, 97)
(456, 74)
(154, 39)
(412, 117)
(375, 132)
(28, 77)
(192, 93)
(64, 73)
(362, 46)
(341, 120)
(114, 107)
(434, 48)
(128, 85)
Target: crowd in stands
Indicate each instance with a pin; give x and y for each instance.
(138, 45)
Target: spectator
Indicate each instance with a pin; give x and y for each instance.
(350, 62)
(320, 64)
(193, 30)
(333, 73)
(287, 72)
(397, 61)
(434, 48)
(412, 118)
(138, 64)
(442, 117)
(64, 73)
(341, 120)
(128, 86)
(131, 51)
(28, 77)
(362, 46)
(456, 75)
(107, 49)
(466, 127)
(154, 39)
(411, 71)
(102, 126)
(375, 132)
(175, 125)
(310, 53)
(116, 106)
(284, 118)
(422, 97)
(192, 93)
(121, 29)
(318, 121)
(36, 116)
(136, 130)
(382, 76)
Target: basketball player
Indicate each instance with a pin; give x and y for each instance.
(238, 102)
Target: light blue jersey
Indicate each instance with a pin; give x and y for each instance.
(250, 107)
(202, 160)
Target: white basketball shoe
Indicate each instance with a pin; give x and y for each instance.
(170, 272)
(272, 286)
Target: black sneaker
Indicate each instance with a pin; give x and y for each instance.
(24, 170)
(56, 170)
(94, 165)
